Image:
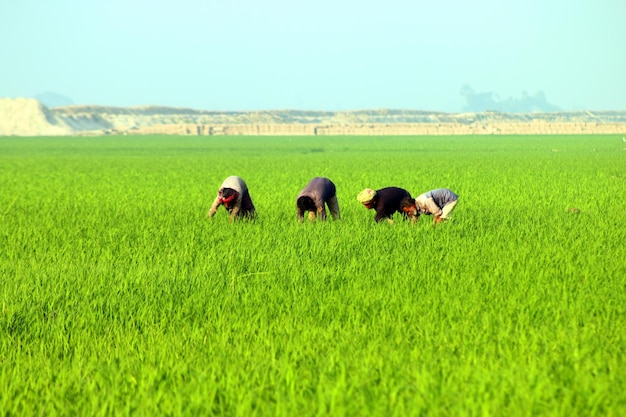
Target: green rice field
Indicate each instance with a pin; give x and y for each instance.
(119, 297)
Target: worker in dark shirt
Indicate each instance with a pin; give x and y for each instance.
(234, 196)
(313, 198)
(385, 201)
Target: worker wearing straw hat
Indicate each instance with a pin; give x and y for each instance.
(385, 201)
(234, 196)
(439, 203)
(313, 198)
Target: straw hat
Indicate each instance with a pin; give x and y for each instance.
(366, 195)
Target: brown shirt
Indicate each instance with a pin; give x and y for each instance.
(322, 191)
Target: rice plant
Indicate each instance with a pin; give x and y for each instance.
(119, 297)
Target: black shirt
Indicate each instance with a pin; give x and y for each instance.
(388, 202)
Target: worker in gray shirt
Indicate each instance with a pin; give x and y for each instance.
(234, 196)
(439, 202)
(318, 192)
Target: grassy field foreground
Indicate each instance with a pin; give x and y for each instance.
(118, 296)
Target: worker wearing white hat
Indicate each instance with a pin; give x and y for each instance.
(385, 201)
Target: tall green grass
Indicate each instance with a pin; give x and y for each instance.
(119, 297)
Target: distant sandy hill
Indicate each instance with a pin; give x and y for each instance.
(28, 117)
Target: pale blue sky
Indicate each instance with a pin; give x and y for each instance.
(322, 55)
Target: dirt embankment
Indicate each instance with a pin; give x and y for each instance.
(28, 117)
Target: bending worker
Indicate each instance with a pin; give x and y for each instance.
(439, 202)
(385, 201)
(233, 195)
(318, 191)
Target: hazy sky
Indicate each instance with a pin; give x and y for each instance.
(315, 55)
